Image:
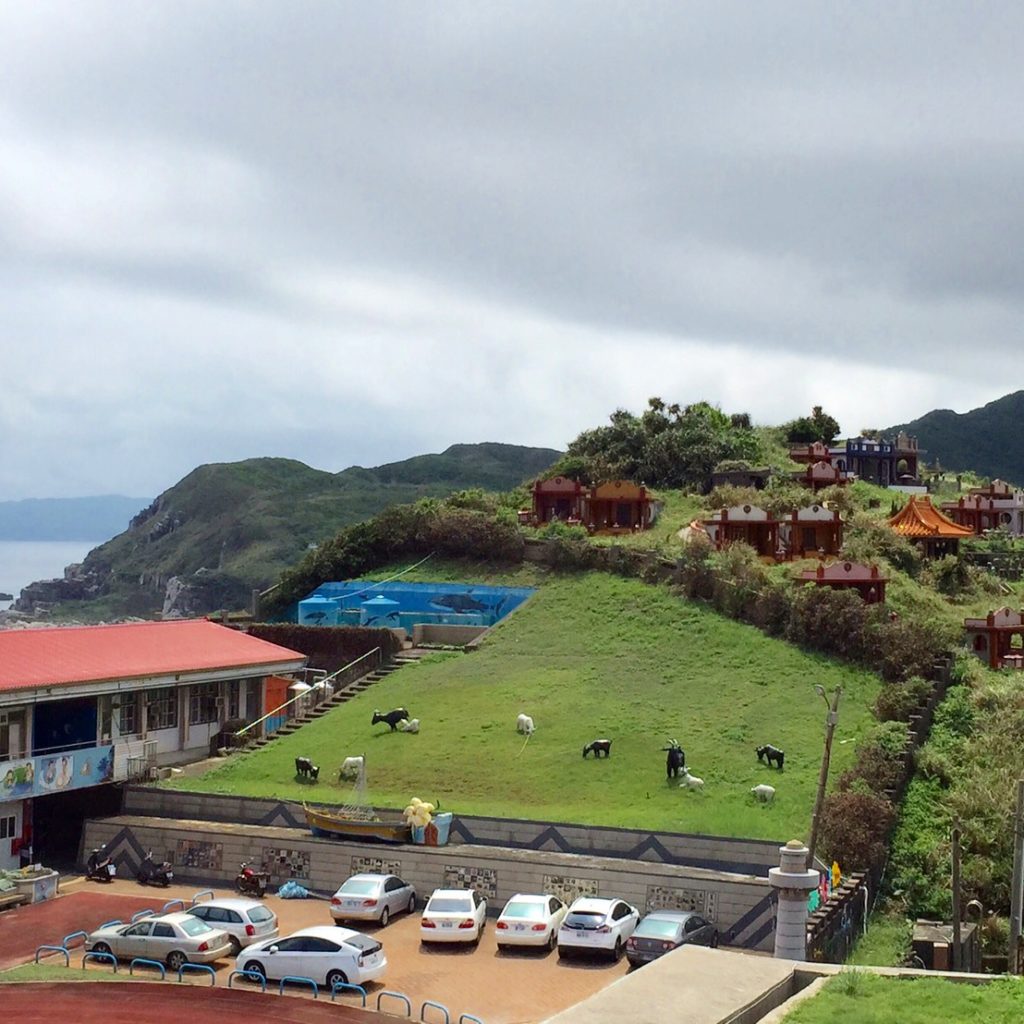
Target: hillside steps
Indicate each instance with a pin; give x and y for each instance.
(408, 656)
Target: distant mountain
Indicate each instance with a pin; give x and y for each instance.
(240, 524)
(989, 440)
(67, 518)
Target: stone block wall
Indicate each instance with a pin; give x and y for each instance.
(442, 633)
(207, 853)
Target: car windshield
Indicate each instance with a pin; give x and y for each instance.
(193, 926)
(450, 905)
(660, 929)
(259, 914)
(363, 943)
(526, 911)
(585, 919)
(359, 887)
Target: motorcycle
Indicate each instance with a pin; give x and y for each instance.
(151, 873)
(250, 882)
(99, 866)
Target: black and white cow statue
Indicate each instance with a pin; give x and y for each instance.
(305, 768)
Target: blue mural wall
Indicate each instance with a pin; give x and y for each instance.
(37, 776)
(357, 603)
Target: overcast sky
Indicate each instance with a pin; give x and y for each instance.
(349, 233)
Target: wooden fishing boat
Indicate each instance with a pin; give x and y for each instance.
(346, 823)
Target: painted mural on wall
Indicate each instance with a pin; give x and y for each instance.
(56, 773)
(198, 853)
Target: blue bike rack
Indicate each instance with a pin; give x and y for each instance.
(202, 892)
(170, 903)
(299, 981)
(341, 985)
(110, 924)
(100, 956)
(251, 975)
(436, 1006)
(143, 962)
(395, 995)
(206, 968)
(143, 913)
(55, 949)
(464, 1017)
(66, 941)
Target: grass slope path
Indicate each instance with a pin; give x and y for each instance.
(588, 656)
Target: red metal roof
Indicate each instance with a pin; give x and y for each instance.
(920, 518)
(68, 655)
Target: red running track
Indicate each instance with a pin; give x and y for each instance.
(45, 924)
(111, 1002)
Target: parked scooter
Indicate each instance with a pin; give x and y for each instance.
(151, 873)
(99, 866)
(250, 882)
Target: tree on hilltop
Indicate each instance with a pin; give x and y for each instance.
(819, 426)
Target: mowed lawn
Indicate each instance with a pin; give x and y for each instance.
(589, 656)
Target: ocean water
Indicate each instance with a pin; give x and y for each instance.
(24, 561)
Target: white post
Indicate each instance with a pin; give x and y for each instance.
(792, 881)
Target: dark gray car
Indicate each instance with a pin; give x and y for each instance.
(665, 930)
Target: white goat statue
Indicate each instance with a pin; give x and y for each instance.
(350, 768)
(409, 725)
(690, 781)
(764, 793)
(524, 724)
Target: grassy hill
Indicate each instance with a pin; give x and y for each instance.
(986, 440)
(588, 656)
(247, 521)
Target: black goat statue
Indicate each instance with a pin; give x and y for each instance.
(674, 759)
(392, 717)
(598, 747)
(305, 768)
(770, 755)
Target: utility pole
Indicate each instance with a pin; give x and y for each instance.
(830, 728)
(1017, 889)
(957, 959)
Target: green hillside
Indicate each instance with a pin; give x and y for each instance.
(588, 656)
(986, 440)
(245, 522)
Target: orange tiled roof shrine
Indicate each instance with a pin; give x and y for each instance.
(920, 518)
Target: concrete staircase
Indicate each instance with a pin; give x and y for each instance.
(342, 695)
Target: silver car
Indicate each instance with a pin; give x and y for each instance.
(245, 921)
(371, 897)
(175, 939)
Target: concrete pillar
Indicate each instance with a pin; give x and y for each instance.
(792, 882)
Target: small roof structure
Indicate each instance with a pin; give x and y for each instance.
(865, 579)
(920, 519)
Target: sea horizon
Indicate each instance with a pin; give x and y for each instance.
(25, 561)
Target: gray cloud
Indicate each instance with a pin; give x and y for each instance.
(351, 232)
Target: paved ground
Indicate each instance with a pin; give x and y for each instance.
(500, 988)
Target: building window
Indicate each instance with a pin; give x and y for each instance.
(202, 704)
(12, 735)
(128, 714)
(234, 691)
(162, 709)
(7, 827)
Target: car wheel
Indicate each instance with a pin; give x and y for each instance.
(502, 948)
(552, 940)
(412, 904)
(175, 959)
(101, 947)
(255, 967)
(617, 951)
(236, 946)
(385, 916)
(714, 941)
(334, 977)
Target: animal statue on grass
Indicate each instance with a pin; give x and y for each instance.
(770, 755)
(764, 793)
(350, 768)
(598, 747)
(524, 724)
(674, 759)
(409, 725)
(690, 781)
(392, 717)
(305, 769)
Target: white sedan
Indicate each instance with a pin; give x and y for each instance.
(530, 921)
(175, 939)
(323, 952)
(597, 926)
(453, 915)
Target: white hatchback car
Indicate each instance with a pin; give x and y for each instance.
(246, 921)
(453, 915)
(597, 926)
(530, 921)
(323, 952)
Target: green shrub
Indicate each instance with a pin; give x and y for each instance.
(855, 828)
(897, 701)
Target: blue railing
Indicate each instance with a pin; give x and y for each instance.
(342, 985)
(295, 979)
(206, 968)
(395, 995)
(436, 1006)
(171, 903)
(139, 915)
(464, 1017)
(251, 975)
(202, 892)
(66, 941)
(110, 924)
(141, 961)
(54, 949)
(100, 956)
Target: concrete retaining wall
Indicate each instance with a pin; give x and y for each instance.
(207, 853)
(441, 633)
(715, 853)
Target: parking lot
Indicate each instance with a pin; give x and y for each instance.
(498, 987)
